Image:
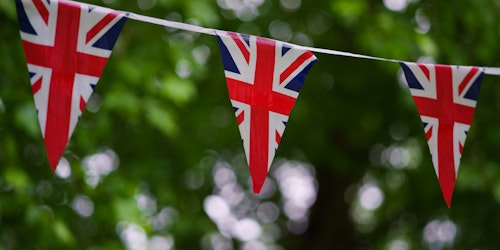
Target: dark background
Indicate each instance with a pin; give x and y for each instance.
(156, 161)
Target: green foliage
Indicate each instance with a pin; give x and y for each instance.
(158, 145)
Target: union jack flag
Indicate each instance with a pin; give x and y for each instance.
(445, 97)
(67, 45)
(263, 78)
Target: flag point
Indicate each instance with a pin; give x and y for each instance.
(447, 190)
(257, 183)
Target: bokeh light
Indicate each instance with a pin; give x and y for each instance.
(146, 203)
(146, 4)
(370, 196)
(83, 206)
(298, 187)
(183, 68)
(395, 5)
(63, 169)
(252, 219)
(246, 229)
(99, 165)
(245, 10)
(161, 243)
(438, 233)
(290, 5)
(280, 30)
(398, 244)
(422, 21)
(133, 236)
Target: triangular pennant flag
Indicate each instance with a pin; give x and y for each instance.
(67, 45)
(263, 78)
(445, 97)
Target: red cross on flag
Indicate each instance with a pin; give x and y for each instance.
(446, 98)
(263, 78)
(67, 45)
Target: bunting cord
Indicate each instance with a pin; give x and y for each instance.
(171, 24)
(213, 32)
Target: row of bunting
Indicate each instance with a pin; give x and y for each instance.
(67, 45)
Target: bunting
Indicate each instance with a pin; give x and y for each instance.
(446, 98)
(264, 78)
(67, 45)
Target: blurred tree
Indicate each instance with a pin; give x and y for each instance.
(156, 161)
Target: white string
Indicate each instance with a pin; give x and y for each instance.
(172, 24)
(486, 70)
(492, 71)
(209, 31)
(347, 54)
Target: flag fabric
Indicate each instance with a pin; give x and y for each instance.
(263, 78)
(446, 98)
(67, 45)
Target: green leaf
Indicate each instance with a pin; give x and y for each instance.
(160, 117)
(178, 90)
